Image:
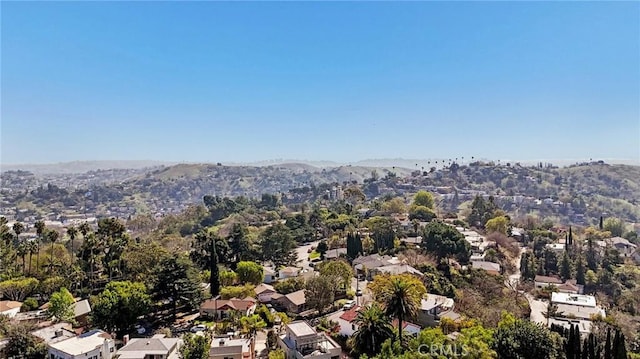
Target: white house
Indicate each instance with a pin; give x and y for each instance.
(270, 275)
(227, 348)
(289, 272)
(542, 281)
(95, 344)
(10, 308)
(347, 321)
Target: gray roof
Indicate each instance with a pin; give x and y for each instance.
(55, 333)
(486, 265)
(335, 253)
(81, 308)
(301, 328)
(149, 346)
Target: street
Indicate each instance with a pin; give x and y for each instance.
(303, 255)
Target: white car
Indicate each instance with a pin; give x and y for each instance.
(348, 305)
(198, 328)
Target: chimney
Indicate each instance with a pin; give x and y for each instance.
(57, 333)
(221, 342)
(125, 339)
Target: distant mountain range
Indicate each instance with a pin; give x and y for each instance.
(85, 166)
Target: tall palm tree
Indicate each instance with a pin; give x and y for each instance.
(40, 230)
(17, 229)
(23, 249)
(72, 232)
(373, 329)
(33, 248)
(53, 237)
(401, 297)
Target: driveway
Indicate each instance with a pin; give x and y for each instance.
(303, 256)
(538, 309)
(261, 344)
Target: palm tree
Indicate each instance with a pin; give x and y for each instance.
(17, 229)
(23, 249)
(53, 237)
(33, 248)
(40, 230)
(401, 297)
(373, 329)
(72, 232)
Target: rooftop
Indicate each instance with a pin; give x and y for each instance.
(140, 348)
(230, 346)
(83, 343)
(546, 279)
(301, 328)
(488, 266)
(573, 299)
(55, 333)
(6, 305)
(261, 288)
(398, 269)
(434, 300)
(350, 314)
(297, 298)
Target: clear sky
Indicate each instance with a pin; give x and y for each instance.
(223, 81)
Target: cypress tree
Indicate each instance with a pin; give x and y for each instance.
(592, 346)
(565, 267)
(585, 350)
(577, 346)
(214, 279)
(619, 350)
(570, 237)
(601, 226)
(607, 345)
(580, 272)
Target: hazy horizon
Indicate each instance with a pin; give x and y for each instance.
(340, 81)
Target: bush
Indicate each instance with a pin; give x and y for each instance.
(29, 304)
(240, 291)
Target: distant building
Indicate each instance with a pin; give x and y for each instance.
(156, 347)
(489, 267)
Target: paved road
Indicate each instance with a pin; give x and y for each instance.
(303, 256)
(538, 308)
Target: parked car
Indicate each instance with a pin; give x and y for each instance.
(198, 328)
(359, 293)
(348, 305)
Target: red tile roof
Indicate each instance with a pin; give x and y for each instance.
(350, 314)
(237, 304)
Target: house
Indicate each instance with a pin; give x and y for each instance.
(347, 321)
(227, 348)
(301, 341)
(584, 326)
(394, 269)
(270, 275)
(335, 253)
(407, 327)
(489, 267)
(55, 333)
(293, 302)
(432, 308)
(574, 299)
(81, 311)
(226, 308)
(364, 264)
(289, 272)
(558, 248)
(156, 347)
(542, 281)
(412, 241)
(10, 308)
(95, 344)
(264, 292)
(571, 286)
(624, 247)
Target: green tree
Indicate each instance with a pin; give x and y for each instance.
(277, 354)
(195, 346)
(22, 344)
(394, 205)
(498, 224)
(251, 324)
(118, 306)
(445, 241)
(423, 198)
(565, 266)
(382, 231)
(339, 273)
(580, 271)
(18, 289)
(249, 272)
(289, 285)
(239, 242)
(214, 275)
(481, 211)
(179, 280)
(523, 339)
(323, 248)
(61, 306)
(278, 245)
(228, 278)
(319, 292)
(374, 329)
(354, 245)
(400, 294)
(421, 213)
(614, 225)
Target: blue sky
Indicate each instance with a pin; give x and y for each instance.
(222, 81)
